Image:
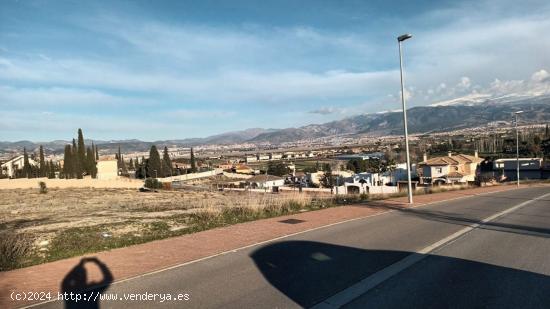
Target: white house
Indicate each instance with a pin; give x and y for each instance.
(399, 173)
(250, 159)
(265, 181)
(11, 166)
(263, 157)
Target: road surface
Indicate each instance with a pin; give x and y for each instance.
(490, 251)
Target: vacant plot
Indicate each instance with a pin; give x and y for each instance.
(37, 227)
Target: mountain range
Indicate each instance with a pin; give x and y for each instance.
(452, 115)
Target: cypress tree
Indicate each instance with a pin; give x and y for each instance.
(153, 164)
(51, 170)
(136, 163)
(77, 165)
(118, 157)
(193, 163)
(96, 153)
(167, 163)
(91, 163)
(43, 167)
(123, 167)
(81, 152)
(131, 164)
(26, 165)
(68, 163)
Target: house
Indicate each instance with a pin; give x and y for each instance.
(275, 156)
(529, 168)
(399, 173)
(449, 169)
(225, 166)
(10, 167)
(263, 157)
(107, 169)
(243, 169)
(265, 182)
(250, 159)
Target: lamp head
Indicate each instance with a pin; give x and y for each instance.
(404, 37)
(518, 112)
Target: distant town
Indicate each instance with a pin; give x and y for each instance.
(336, 164)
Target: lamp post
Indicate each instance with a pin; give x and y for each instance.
(400, 39)
(517, 146)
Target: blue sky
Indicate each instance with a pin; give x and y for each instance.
(176, 69)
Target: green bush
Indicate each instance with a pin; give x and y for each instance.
(43, 188)
(153, 183)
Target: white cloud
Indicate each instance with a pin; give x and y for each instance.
(541, 76)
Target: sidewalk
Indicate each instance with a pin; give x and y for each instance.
(157, 255)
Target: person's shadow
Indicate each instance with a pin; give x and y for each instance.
(78, 292)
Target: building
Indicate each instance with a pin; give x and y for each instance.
(10, 167)
(265, 182)
(275, 156)
(225, 166)
(263, 157)
(449, 169)
(399, 173)
(243, 169)
(250, 159)
(107, 169)
(361, 156)
(529, 168)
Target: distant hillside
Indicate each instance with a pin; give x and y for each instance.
(421, 119)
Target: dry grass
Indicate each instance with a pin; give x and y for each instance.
(68, 222)
(15, 249)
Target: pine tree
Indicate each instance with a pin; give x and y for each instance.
(26, 165)
(167, 163)
(193, 163)
(43, 167)
(153, 164)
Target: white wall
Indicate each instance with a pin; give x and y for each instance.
(190, 176)
(107, 170)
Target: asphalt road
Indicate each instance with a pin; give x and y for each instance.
(426, 257)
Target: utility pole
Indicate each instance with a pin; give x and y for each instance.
(400, 39)
(517, 146)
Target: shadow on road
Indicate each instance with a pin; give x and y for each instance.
(462, 219)
(309, 272)
(79, 291)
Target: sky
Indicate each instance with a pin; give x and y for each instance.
(155, 70)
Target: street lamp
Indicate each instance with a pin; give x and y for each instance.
(517, 146)
(409, 183)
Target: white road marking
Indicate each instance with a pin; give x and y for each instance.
(349, 294)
